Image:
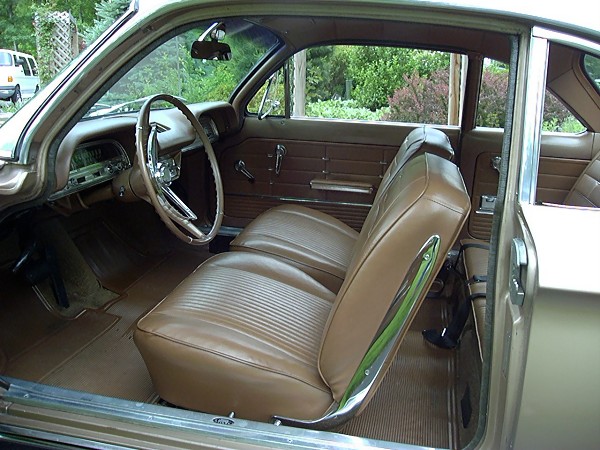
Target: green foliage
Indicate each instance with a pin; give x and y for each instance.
(16, 20)
(341, 109)
(107, 11)
(567, 125)
(592, 67)
(170, 69)
(326, 71)
(377, 72)
(45, 31)
(491, 110)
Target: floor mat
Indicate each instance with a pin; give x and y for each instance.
(414, 404)
(95, 352)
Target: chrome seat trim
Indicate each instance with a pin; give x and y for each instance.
(378, 358)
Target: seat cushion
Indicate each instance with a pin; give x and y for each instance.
(316, 243)
(243, 330)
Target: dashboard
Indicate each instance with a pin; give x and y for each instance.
(93, 163)
(97, 150)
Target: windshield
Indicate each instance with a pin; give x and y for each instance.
(171, 69)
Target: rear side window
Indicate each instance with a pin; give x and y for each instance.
(5, 59)
(491, 110)
(591, 66)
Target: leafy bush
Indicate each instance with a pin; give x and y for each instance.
(377, 72)
(421, 100)
(326, 72)
(491, 111)
(341, 109)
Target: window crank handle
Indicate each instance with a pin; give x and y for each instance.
(280, 152)
(240, 166)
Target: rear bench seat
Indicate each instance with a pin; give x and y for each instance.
(474, 253)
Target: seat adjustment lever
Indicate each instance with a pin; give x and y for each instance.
(240, 166)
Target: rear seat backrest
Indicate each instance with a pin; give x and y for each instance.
(586, 191)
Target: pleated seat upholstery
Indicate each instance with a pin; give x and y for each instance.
(318, 243)
(240, 317)
(250, 333)
(315, 242)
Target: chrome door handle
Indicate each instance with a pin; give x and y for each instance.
(240, 166)
(280, 152)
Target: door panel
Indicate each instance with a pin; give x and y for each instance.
(564, 157)
(343, 151)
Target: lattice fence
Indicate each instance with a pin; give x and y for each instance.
(63, 44)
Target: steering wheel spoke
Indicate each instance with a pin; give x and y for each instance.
(158, 175)
(177, 202)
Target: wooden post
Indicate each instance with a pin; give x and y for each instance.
(454, 89)
(300, 84)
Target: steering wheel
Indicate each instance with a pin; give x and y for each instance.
(158, 174)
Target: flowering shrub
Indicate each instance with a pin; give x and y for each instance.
(491, 111)
(421, 100)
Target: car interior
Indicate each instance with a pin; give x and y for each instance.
(315, 272)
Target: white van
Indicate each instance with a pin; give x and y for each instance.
(18, 75)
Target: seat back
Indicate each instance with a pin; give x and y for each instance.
(425, 198)
(418, 142)
(586, 191)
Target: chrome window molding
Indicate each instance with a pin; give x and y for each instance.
(533, 107)
(534, 102)
(568, 40)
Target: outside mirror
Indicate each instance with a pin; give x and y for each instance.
(212, 49)
(20, 61)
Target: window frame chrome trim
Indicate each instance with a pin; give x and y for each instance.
(533, 107)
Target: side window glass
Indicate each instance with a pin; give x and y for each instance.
(270, 98)
(591, 66)
(26, 68)
(491, 109)
(374, 83)
(558, 118)
(33, 66)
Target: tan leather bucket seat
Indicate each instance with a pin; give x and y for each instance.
(252, 334)
(318, 243)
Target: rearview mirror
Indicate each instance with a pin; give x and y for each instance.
(212, 49)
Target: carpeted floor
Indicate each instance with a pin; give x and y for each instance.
(95, 352)
(415, 403)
